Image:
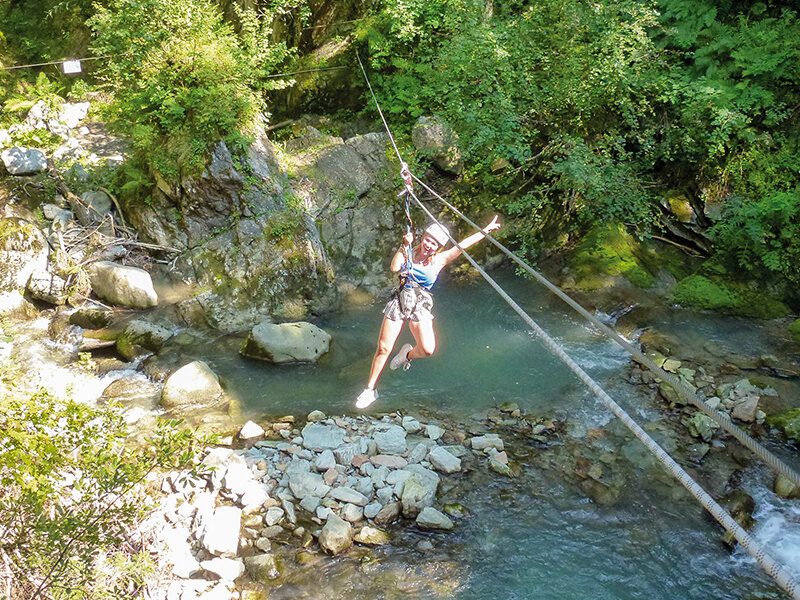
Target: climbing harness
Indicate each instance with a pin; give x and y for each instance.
(774, 568)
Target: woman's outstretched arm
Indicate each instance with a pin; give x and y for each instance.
(453, 253)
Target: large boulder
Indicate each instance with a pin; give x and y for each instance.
(23, 250)
(192, 384)
(23, 161)
(122, 285)
(435, 139)
(287, 342)
(93, 208)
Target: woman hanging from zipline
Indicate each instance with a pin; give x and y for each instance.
(412, 301)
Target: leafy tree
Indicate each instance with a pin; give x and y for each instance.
(68, 486)
(182, 79)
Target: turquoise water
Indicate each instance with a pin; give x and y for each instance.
(537, 536)
(484, 357)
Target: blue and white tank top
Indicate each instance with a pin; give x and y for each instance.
(423, 275)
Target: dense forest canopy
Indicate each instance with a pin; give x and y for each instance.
(569, 111)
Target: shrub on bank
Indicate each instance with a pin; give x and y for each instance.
(71, 492)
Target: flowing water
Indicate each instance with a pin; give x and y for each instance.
(538, 535)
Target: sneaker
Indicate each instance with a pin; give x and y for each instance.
(401, 358)
(366, 398)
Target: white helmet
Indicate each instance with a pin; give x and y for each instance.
(439, 233)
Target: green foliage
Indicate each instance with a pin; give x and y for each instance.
(762, 235)
(41, 89)
(788, 422)
(730, 297)
(794, 330)
(182, 79)
(608, 251)
(69, 485)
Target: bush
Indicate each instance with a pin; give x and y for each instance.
(794, 330)
(69, 487)
(729, 297)
(182, 79)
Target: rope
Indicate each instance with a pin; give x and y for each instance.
(775, 569)
(719, 417)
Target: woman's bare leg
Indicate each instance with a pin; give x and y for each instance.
(424, 336)
(388, 336)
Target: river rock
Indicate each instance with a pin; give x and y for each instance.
(319, 437)
(251, 431)
(391, 439)
(371, 536)
(23, 161)
(411, 425)
(352, 512)
(141, 337)
(287, 342)
(419, 490)
(47, 287)
(389, 513)
(228, 569)
(221, 536)
(324, 461)
(122, 285)
(95, 205)
(785, 487)
(701, 426)
(443, 461)
(391, 461)
(746, 409)
(303, 484)
(336, 536)
(435, 139)
(430, 518)
(23, 250)
(490, 440)
(347, 494)
(434, 432)
(192, 384)
(91, 318)
(315, 415)
(263, 567)
(128, 390)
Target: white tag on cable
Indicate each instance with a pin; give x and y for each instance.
(72, 66)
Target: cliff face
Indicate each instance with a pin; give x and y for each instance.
(260, 244)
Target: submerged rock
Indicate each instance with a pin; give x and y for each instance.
(263, 567)
(287, 342)
(430, 518)
(141, 337)
(192, 384)
(371, 536)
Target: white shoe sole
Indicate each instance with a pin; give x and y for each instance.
(401, 358)
(362, 403)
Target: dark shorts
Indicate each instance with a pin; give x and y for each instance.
(409, 304)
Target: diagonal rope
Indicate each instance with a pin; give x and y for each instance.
(722, 419)
(774, 568)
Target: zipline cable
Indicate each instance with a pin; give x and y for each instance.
(719, 417)
(774, 568)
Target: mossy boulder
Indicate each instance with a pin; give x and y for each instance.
(606, 255)
(712, 293)
(788, 422)
(794, 330)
